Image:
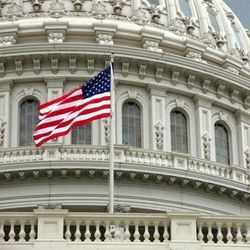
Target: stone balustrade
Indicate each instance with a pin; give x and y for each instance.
(154, 159)
(160, 231)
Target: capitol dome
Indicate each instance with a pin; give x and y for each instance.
(182, 119)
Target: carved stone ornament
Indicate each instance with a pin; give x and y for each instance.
(209, 40)
(106, 130)
(152, 46)
(177, 26)
(99, 10)
(220, 39)
(37, 5)
(7, 40)
(28, 91)
(105, 39)
(243, 54)
(235, 95)
(207, 146)
(118, 6)
(190, 24)
(2, 130)
(2, 69)
(220, 90)
(156, 13)
(77, 4)
(56, 37)
(57, 9)
(195, 56)
(132, 94)
(140, 16)
(179, 103)
(247, 157)
(223, 116)
(159, 136)
(14, 12)
(233, 70)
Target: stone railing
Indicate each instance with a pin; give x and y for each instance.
(160, 231)
(154, 159)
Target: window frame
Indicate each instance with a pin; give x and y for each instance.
(79, 127)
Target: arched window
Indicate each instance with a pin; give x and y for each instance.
(154, 2)
(237, 40)
(131, 124)
(213, 19)
(28, 121)
(221, 144)
(81, 134)
(185, 8)
(179, 140)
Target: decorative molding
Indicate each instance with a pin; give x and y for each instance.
(2, 131)
(56, 37)
(14, 12)
(105, 39)
(142, 71)
(190, 81)
(139, 16)
(54, 65)
(72, 65)
(205, 85)
(179, 103)
(28, 91)
(152, 45)
(106, 130)
(223, 116)
(132, 94)
(7, 40)
(99, 10)
(247, 157)
(90, 66)
(36, 65)
(207, 146)
(175, 76)
(121, 208)
(57, 9)
(118, 6)
(220, 90)
(159, 74)
(19, 67)
(2, 70)
(159, 135)
(209, 40)
(78, 4)
(195, 56)
(125, 68)
(177, 26)
(234, 96)
(233, 70)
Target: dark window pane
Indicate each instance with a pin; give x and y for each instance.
(81, 134)
(221, 144)
(179, 140)
(131, 124)
(28, 121)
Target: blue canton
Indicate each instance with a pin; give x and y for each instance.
(99, 84)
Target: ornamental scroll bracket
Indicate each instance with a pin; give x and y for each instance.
(2, 131)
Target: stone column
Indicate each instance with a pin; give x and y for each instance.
(55, 89)
(157, 119)
(204, 127)
(5, 114)
(243, 134)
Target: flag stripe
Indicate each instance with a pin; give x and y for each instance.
(78, 107)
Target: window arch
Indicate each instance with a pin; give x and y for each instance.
(185, 8)
(28, 121)
(179, 137)
(221, 144)
(81, 134)
(131, 124)
(237, 39)
(213, 19)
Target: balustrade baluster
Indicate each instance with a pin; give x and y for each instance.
(22, 232)
(209, 234)
(2, 234)
(219, 234)
(67, 233)
(239, 235)
(97, 233)
(77, 232)
(136, 234)
(165, 234)
(87, 233)
(32, 233)
(248, 233)
(229, 234)
(146, 234)
(107, 234)
(12, 232)
(117, 234)
(200, 233)
(126, 233)
(156, 234)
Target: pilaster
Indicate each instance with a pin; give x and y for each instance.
(5, 113)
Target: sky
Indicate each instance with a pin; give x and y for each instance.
(242, 10)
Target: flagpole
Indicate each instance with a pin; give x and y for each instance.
(111, 140)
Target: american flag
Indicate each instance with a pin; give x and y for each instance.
(82, 105)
